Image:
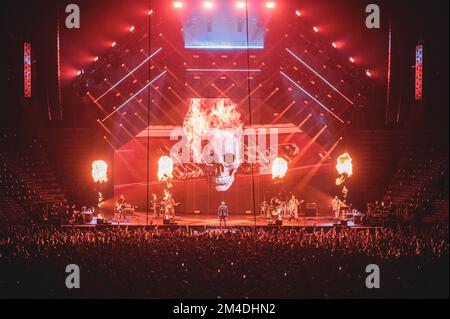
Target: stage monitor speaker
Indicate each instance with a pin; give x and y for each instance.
(311, 210)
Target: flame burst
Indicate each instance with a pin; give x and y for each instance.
(99, 171)
(206, 114)
(279, 168)
(344, 167)
(167, 194)
(100, 200)
(165, 170)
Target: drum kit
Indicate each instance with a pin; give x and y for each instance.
(163, 207)
(277, 208)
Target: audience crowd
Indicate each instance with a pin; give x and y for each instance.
(233, 263)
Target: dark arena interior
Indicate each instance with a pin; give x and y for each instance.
(224, 149)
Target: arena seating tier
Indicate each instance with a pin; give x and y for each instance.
(41, 166)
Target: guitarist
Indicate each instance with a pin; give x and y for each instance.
(293, 207)
(120, 206)
(154, 206)
(170, 206)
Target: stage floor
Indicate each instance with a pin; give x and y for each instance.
(140, 219)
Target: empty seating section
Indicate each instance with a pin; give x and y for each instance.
(421, 177)
(40, 166)
(10, 211)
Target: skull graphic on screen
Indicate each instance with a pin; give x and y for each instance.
(222, 156)
(216, 123)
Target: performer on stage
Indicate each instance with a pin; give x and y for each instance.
(169, 204)
(336, 205)
(154, 206)
(223, 214)
(120, 206)
(121, 202)
(293, 207)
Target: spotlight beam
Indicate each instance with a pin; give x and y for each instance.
(312, 172)
(321, 77)
(131, 98)
(312, 97)
(126, 76)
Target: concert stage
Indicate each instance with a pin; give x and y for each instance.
(249, 220)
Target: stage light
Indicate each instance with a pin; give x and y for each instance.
(321, 77)
(96, 59)
(351, 59)
(130, 73)
(178, 4)
(113, 44)
(270, 5)
(27, 69)
(79, 72)
(150, 12)
(312, 97)
(418, 85)
(334, 45)
(241, 5)
(316, 29)
(298, 13)
(369, 73)
(139, 92)
(132, 28)
(208, 4)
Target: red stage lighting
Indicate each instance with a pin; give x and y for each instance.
(178, 4)
(241, 5)
(150, 12)
(334, 45)
(208, 4)
(132, 28)
(270, 5)
(369, 73)
(113, 44)
(298, 13)
(352, 60)
(419, 73)
(27, 69)
(79, 72)
(316, 29)
(96, 59)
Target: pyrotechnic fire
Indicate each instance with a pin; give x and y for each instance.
(99, 171)
(344, 167)
(167, 194)
(206, 114)
(100, 203)
(165, 169)
(279, 168)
